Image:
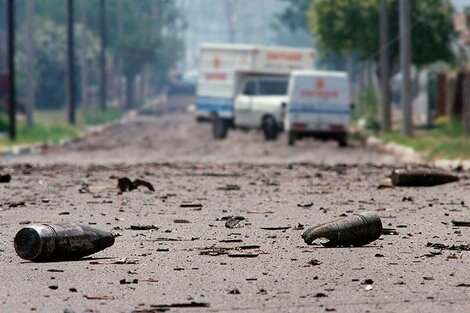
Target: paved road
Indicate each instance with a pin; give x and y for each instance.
(177, 137)
(397, 273)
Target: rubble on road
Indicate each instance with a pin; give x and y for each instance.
(6, 178)
(125, 184)
(357, 230)
(58, 242)
(421, 177)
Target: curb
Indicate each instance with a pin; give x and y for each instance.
(406, 154)
(409, 155)
(21, 150)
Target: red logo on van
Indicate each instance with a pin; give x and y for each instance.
(216, 62)
(319, 90)
(320, 83)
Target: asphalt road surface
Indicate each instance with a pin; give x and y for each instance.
(169, 133)
(190, 258)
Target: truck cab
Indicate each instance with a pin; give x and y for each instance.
(260, 103)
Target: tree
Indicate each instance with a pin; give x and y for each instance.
(294, 16)
(136, 51)
(351, 27)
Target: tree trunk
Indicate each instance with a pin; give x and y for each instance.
(83, 54)
(30, 53)
(130, 91)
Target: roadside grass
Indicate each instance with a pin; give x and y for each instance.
(446, 140)
(51, 126)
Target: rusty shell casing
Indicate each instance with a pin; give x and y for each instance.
(356, 230)
(56, 242)
(421, 178)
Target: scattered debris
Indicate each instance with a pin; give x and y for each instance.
(214, 251)
(99, 297)
(446, 247)
(461, 223)
(181, 221)
(125, 184)
(119, 261)
(305, 205)
(6, 178)
(128, 282)
(314, 262)
(259, 211)
(233, 221)
(234, 291)
(190, 205)
(53, 242)
(276, 228)
(143, 227)
(389, 231)
(386, 183)
(248, 247)
(357, 230)
(242, 255)
(180, 305)
(229, 187)
(463, 285)
(230, 240)
(422, 177)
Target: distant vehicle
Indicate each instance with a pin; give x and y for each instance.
(318, 106)
(245, 86)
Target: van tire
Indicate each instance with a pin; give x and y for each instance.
(291, 137)
(270, 128)
(219, 128)
(343, 141)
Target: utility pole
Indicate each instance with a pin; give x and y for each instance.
(466, 102)
(70, 63)
(405, 59)
(84, 61)
(30, 61)
(11, 70)
(119, 59)
(103, 95)
(384, 64)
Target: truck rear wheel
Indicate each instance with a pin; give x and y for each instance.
(270, 129)
(219, 128)
(343, 141)
(291, 137)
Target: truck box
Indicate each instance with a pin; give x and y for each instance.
(222, 67)
(318, 106)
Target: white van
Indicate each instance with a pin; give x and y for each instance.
(245, 86)
(318, 106)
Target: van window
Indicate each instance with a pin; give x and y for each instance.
(272, 87)
(250, 88)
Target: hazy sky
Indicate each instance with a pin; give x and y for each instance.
(460, 4)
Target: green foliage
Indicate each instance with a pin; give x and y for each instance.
(447, 140)
(368, 109)
(39, 133)
(351, 27)
(147, 38)
(294, 16)
(98, 117)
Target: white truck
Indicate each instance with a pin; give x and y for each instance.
(318, 106)
(245, 86)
